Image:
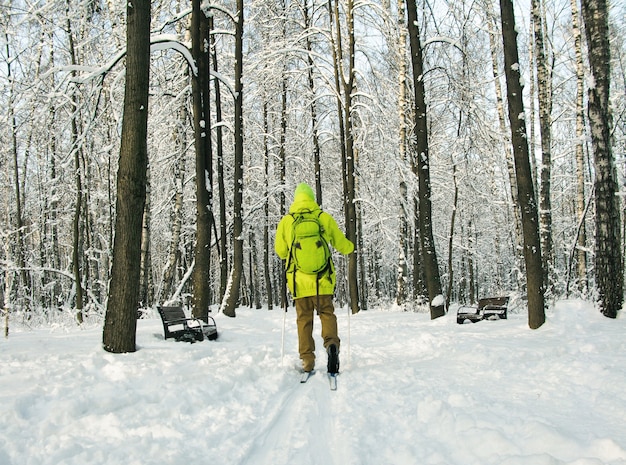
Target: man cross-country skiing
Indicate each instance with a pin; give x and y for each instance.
(311, 290)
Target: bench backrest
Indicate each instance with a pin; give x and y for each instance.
(493, 302)
(171, 313)
(174, 317)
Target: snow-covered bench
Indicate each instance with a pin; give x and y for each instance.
(177, 325)
(489, 308)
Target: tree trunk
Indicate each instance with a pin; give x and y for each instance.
(403, 240)
(179, 137)
(4, 295)
(421, 168)
(518, 240)
(544, 85)
(232, 294)
(255, 292)
(350, 193)
(314, 120)
(344, 82)
(223, 248)
(120, 320)
(204, 163)
(20, 251)
(470, 263)
(455, 201)
(266, 212)
(526, 193)
(283, 159)
(25, 279)
(76, 236)
(581, 242)
(403, 233)
(419, 281)
(609, 265)
(173, 255)
(282, 198)
(76, 149)
(145, 279)
(360, 245)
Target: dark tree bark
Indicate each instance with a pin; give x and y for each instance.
(419, 282)
(421, 168)
(345, 85)
(350, 193)
(283, 159)
(255, 292)
(204, 163)
(178, 174)
(121, 315)
(455, 202)
(508, 152)
(232, 294)
(266, 213)
(284, 299)
(20, 249)
(219, 141)
(76, 222)
(314, 118)
(526, 193)
(609, 261)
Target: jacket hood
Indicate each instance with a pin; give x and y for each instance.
(303, 199)
(303, 189)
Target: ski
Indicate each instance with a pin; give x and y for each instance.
(305, 375)
(332, 379)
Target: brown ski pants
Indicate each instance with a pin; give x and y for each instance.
(305, 307)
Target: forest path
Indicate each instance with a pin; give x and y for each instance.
(300, 428)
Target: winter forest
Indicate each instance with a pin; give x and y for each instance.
(464, 158)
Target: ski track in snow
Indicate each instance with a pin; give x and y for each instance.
(411, 392)
(300, 430)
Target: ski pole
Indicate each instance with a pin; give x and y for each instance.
(346, 285)
(282, 336)
(349, 352)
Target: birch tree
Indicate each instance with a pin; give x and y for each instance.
(544, 85)
(608, 252)
(578, 256)
(403, 233)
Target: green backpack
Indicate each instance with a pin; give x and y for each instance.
(309, 251)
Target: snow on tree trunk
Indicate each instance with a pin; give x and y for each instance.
(609, 262)
(421, 169)
(204, 161)
(232, 295)
(526, 193)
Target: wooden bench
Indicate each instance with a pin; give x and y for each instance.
(177, 325)
(489, 308)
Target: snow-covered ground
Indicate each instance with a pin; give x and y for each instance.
(411, 391)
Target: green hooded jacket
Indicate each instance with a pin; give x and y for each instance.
(301, 284)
